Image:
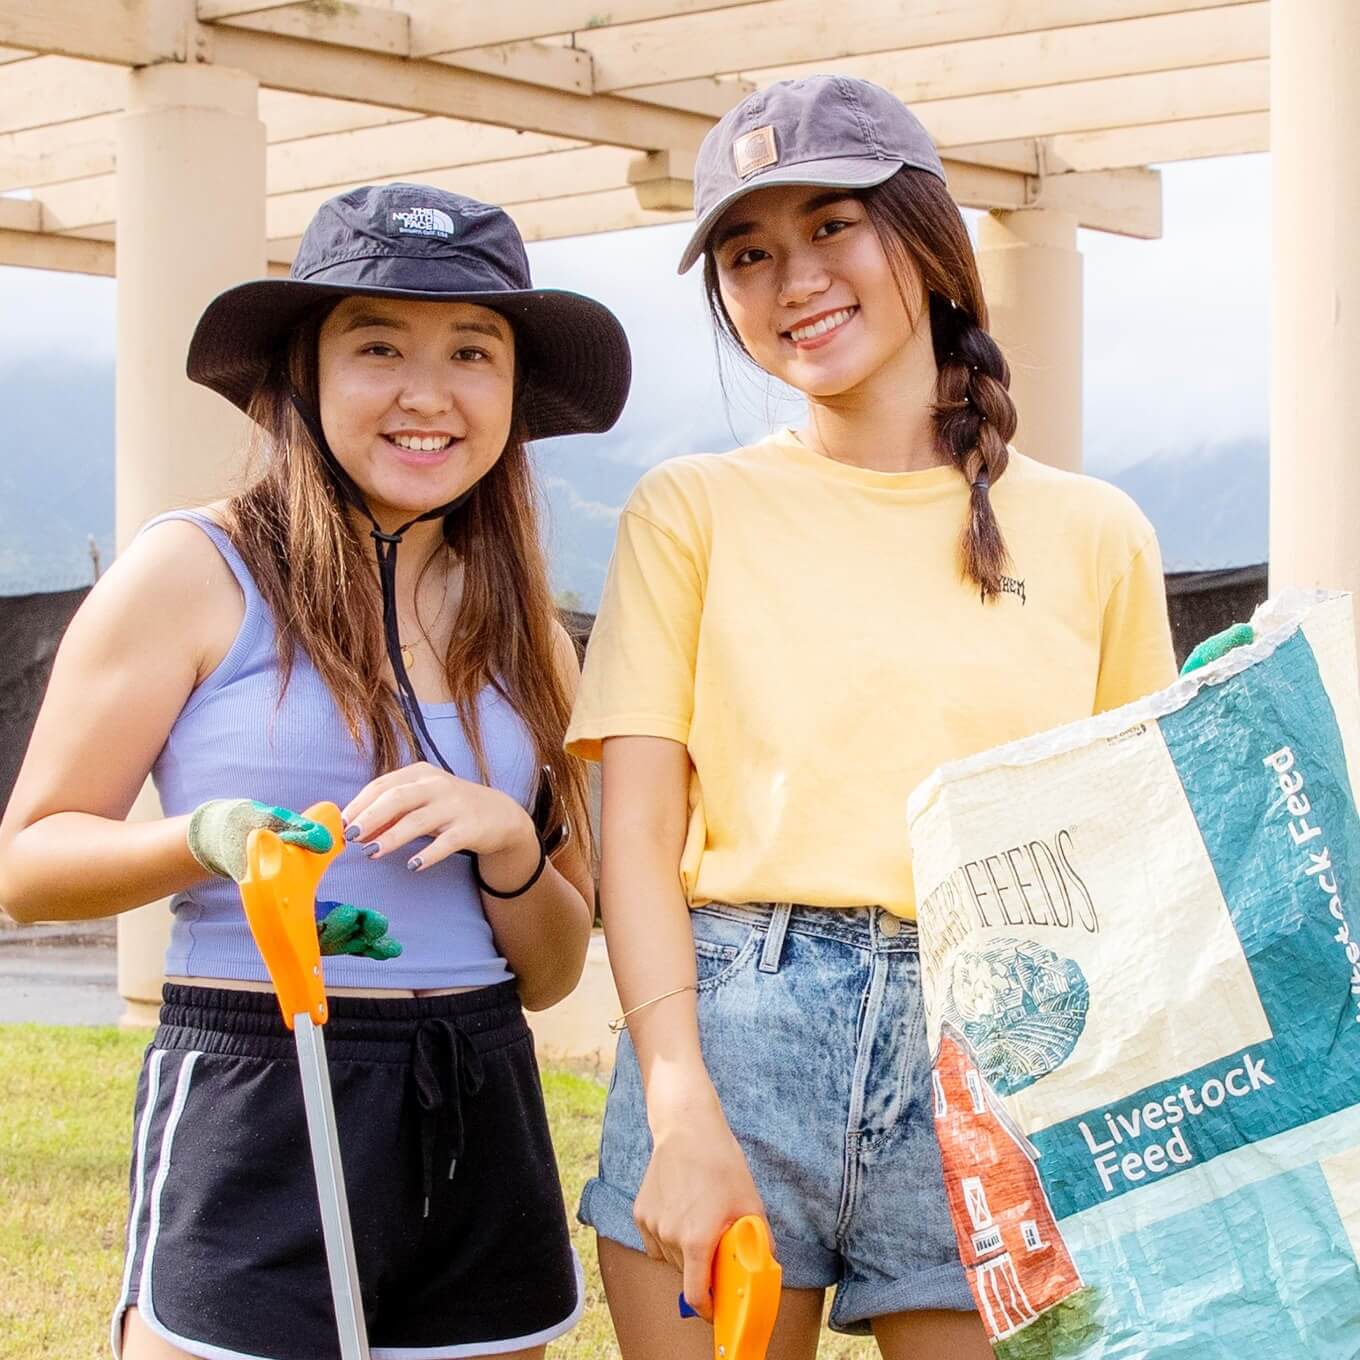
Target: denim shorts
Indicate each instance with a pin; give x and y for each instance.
(812, 1031)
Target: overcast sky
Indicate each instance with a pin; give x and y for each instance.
(1176, 330)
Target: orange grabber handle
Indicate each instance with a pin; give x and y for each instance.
(279, 896)
(746, 1283)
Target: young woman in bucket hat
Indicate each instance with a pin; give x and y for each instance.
(791, 637)
(369, 621)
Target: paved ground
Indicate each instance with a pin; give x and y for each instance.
(67, 975)
(59, 974)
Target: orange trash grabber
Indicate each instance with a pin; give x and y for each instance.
(746, 1284)
(279, 896)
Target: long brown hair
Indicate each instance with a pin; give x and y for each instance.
(317, 574)
(920, 227)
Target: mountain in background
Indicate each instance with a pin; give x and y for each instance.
(1209, 504)
(56, 473)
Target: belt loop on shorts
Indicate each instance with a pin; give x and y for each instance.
(774, 939)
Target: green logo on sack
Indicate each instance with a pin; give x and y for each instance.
(1021, 1006)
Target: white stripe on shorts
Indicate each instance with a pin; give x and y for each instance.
(145, 1301)
(153, 1087)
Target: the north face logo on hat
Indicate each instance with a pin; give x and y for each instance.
(755, 151)
(420, 222)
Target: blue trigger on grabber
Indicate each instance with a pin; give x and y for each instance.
(685, 1310)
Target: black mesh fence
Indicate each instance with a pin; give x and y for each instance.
(1200, 603)
(30, 629)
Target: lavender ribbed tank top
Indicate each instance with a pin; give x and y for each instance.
(234, 739)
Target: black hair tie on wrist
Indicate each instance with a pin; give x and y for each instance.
(523, 888)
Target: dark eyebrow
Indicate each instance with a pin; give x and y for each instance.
(813, 205)
(825, 201)
(362, 320)
(495, 329)
(731, 232)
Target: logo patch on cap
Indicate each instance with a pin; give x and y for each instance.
(755, 151)
(420, 222)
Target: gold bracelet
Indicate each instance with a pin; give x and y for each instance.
(622, 1022)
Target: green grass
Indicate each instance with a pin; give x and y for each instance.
(65, 1124)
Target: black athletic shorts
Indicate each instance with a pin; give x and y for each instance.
(459, 1225)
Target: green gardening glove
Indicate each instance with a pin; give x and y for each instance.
(1220, 644)
(360, 931)
(218, 830)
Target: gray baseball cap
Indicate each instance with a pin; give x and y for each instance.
(835, 131)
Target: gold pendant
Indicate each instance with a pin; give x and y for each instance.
(408, 657)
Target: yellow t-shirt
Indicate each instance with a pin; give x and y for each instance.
(801, 625)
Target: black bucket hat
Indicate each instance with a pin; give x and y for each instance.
(413, 241)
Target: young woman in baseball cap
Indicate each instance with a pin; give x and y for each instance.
(369, 622)
(792, 636)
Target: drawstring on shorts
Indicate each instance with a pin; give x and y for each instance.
(447, 1069)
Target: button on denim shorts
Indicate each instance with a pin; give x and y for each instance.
(812, 1031)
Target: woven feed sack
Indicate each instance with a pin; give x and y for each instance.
(1140, 949)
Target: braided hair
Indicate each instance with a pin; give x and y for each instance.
(921, 228)
(923, 233)
(974, 420)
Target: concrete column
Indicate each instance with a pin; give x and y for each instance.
(1031, 276)
(1315, 295)
(191, 196)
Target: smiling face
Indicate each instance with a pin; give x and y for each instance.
(416, 398)
(811, 292)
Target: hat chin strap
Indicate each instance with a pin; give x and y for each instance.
(386, 545)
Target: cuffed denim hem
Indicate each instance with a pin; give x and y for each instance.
(610, 1213)
(858, 1301)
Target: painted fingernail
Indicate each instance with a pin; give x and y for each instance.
(371, 850)
(414, 862)
(352, 832)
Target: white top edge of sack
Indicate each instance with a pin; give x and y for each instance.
(1274, 622)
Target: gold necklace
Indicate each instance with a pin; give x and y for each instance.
(407, 649)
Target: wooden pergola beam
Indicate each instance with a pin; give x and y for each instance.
(580, 215)
(49, 155)
(292, 117)
(398, 150)
(372, 28)
(1026, 61)
(24, 244)
(65, 254)
(377, 28)
(454, 25)
(1094, 105)
(432, 88)
(342, 55)
(1190, 139)
(535, 63)
(560, 174)
(83, 205)
(43, 156)
(208, 10)
(52, 90)
(790, 32)
(128, 33)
